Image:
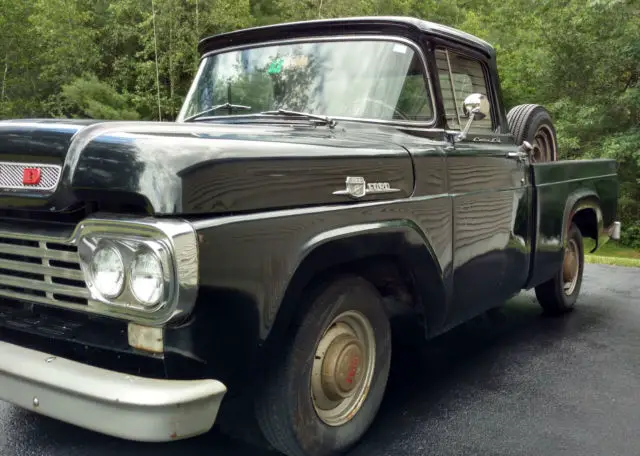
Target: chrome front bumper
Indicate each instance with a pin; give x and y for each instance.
(108, 402)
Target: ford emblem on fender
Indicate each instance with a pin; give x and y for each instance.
(357, 187)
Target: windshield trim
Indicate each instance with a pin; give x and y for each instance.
(314, 39)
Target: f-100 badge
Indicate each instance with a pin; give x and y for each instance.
(357, 187)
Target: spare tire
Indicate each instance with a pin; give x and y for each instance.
(532, 123)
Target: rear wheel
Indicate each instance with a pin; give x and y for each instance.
(559, 295)
(532, 123)
(324, 392)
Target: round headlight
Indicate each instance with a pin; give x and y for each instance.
(147, 279)
(107, 271)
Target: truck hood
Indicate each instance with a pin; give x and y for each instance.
(200, 168)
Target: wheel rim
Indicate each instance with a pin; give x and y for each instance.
(343, 368)
(544, 147)
(570, 267)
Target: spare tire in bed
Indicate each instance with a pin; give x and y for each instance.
(532, 123)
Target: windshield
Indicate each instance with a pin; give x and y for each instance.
(374, 79)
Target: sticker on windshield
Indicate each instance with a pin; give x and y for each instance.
(400, 48)
(291, 62)
(276, 66)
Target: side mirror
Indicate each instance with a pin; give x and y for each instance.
(476, 107)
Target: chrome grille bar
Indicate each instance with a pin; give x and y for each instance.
(37, 252)
(41, 271)
(40, 300)
(63, 273)
(30, 284)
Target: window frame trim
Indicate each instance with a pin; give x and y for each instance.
(442, 46)
(314, 39)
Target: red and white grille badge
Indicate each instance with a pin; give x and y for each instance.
(31, 176)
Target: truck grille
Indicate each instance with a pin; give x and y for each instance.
(41, 271)
(12, 175)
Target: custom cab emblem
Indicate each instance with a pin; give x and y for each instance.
(487, 140)
(357, 187)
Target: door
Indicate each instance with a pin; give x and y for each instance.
(490, 198)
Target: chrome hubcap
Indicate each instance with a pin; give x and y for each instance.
(343, 368)
(570, 267)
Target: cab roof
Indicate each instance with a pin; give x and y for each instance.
(342, 26)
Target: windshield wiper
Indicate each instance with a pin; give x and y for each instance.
(215, 108)
(323, 119)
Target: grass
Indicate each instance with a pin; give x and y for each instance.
(612, 253)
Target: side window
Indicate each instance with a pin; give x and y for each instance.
(459, 77)
(414, 100)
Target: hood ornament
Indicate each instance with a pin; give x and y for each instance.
(357, 187)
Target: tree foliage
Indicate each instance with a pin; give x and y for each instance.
(136, 58)
(88, 97)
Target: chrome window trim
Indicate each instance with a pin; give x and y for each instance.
(453, 89)
(312, 39)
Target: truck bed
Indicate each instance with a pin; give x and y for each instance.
(562, 189)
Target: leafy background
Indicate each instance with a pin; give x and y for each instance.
(97, 58)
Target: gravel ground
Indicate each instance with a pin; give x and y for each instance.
(509, 383)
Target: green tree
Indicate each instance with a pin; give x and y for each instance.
(89, 97)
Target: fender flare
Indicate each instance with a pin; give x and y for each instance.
(402, 239)
(578, 201)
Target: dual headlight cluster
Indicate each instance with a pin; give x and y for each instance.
(131, 273)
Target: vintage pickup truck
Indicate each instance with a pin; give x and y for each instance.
(322, 178)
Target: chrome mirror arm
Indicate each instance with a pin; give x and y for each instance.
(477, 107)
(463, 134)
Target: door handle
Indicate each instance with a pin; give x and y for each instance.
(522, 153)
(519, 155)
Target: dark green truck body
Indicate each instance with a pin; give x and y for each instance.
(450, 229)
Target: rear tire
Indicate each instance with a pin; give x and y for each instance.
(532, 123)
(559, 294)
(294, 410)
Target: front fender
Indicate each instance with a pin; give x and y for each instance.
(254, 269)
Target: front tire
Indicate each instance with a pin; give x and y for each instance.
(559, 294)
(322, 395)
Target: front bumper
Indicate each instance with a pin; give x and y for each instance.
(112, 403)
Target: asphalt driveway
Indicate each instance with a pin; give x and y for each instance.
(510, 383)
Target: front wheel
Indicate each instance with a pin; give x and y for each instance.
(322, 395)
(559, 294)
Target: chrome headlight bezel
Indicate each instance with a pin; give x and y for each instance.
(174, 242)
(157, 257)
(129, 247)
(90, 274)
